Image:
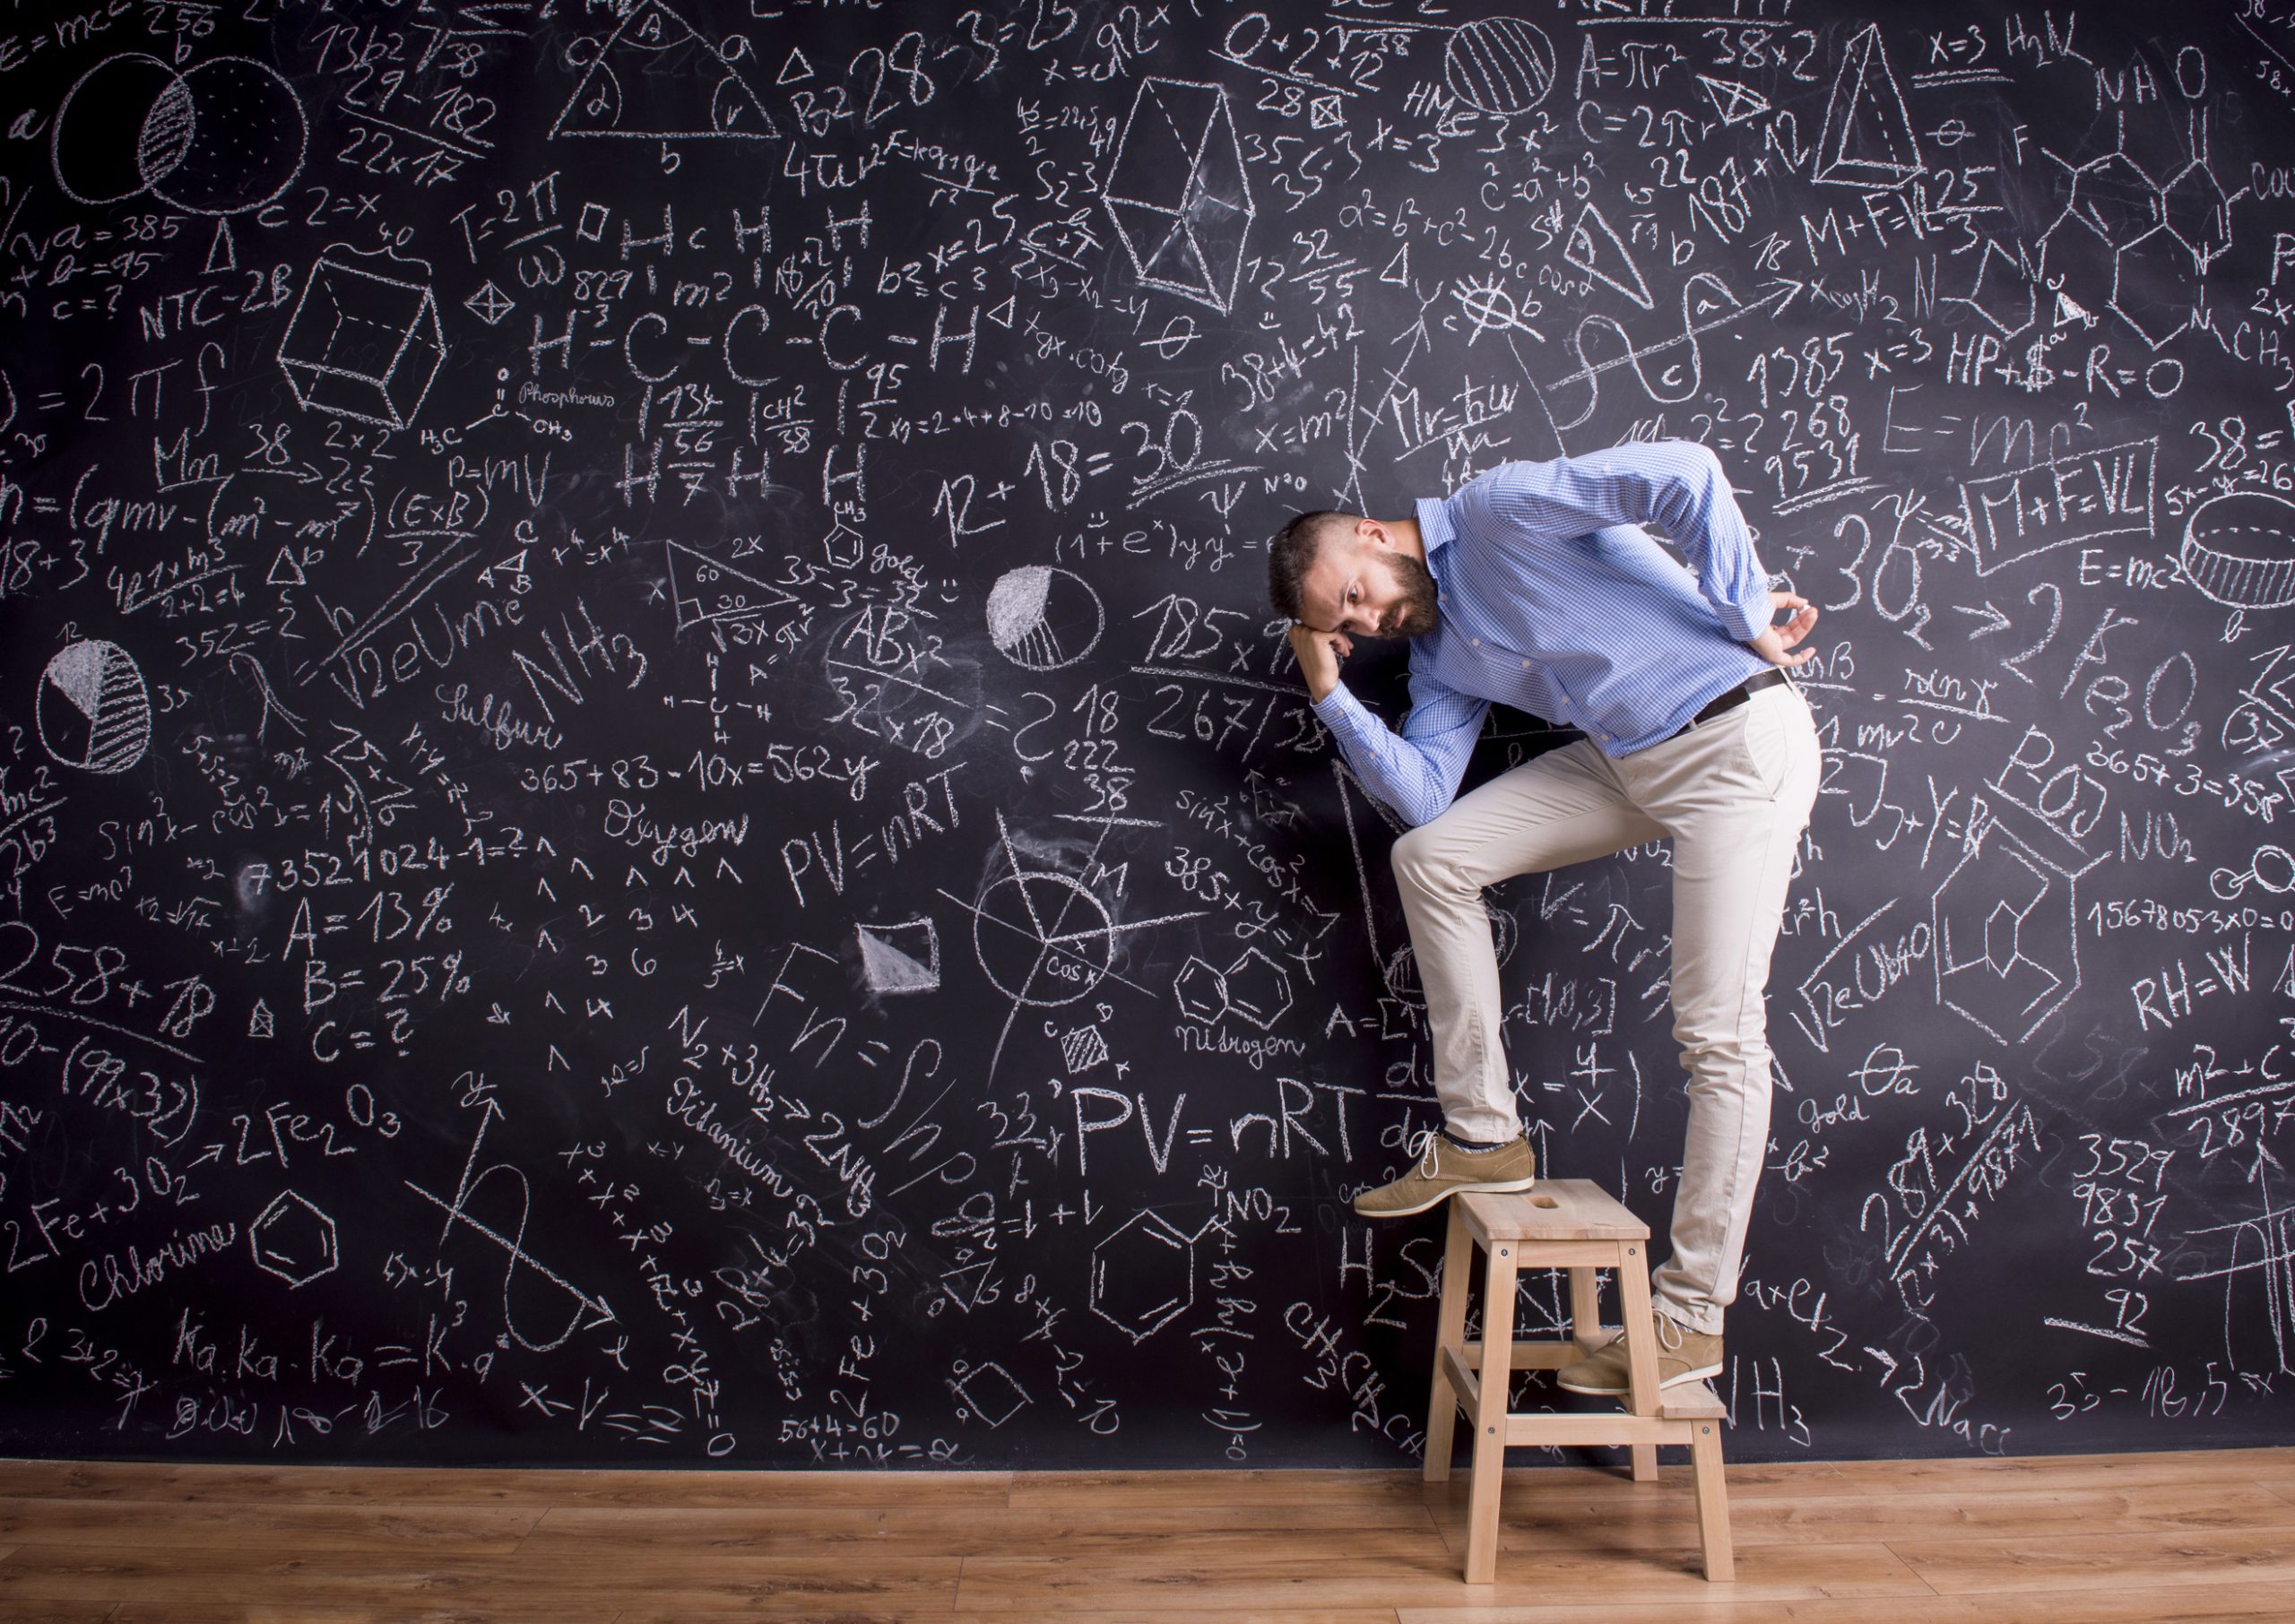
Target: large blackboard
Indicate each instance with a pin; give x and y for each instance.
(649, 811)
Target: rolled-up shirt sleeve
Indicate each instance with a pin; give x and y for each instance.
(1416, 771)
(1678, 485)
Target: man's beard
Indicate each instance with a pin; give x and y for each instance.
(1420, 608)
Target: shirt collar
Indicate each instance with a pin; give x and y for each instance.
(1433, 523)
(1434, 535)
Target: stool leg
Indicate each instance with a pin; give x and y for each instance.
(1713, 1502)
(1490, 1434)
(1585, 1310)
(1450, 1332)
(1641, 1351)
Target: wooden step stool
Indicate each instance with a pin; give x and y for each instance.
(1560, 1224)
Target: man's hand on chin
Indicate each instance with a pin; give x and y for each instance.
(1319, 654)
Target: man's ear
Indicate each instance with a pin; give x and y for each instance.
(1372, 530)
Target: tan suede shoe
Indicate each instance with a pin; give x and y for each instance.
(1683, 1355)
(1443, 1168)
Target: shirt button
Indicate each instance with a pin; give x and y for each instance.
(1526, 665)
(1475, 641)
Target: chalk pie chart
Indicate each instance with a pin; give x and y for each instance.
(1043, 939)
(94, 711)
(1042, 619)
(2239, 549)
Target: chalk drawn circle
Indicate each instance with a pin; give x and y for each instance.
(247, 143)
(1042, 938)
(98, 145)
(1499, 65)
(2239, 549)
(93, 710)
(221, 137)
(1041, 617)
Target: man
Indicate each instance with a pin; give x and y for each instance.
(1534, 585)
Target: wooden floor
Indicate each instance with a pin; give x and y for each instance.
(2136, 1537)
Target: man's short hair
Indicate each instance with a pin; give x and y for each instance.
(1293, 552)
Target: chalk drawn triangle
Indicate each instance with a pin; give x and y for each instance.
(1594, 248)
(702, 588)
(1868, 140)
(1735, 102)
(657, 79)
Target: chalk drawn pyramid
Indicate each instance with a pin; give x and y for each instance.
(656, 79)
(1868, 138)
(1176, 191)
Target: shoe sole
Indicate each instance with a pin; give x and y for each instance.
(1671, 1381)
(1496, 1188)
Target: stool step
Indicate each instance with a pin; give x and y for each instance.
(1553, 1209)
(1689, 1401)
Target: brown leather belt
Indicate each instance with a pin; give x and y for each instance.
(1732, 699)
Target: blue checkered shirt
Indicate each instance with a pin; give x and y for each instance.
(1556, 601)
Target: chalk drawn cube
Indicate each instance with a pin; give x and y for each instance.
(294, 1239)
(1177, 194)
(363, 345)
(1143, 1276)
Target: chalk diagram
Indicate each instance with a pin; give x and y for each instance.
(904, 957)
(294, 1240)
(1708, 304)
(1143, 1274)
(529, 1286)
(2161, 235)
(2239, 549)
(1501, 66)
(362, 345)
(1177, 194)
(702, 590)
(655, 78)
(986, 1392)
(2005, 935)
(1042, 937)
(1253, 989)
(93, 710)
(1868, 140)
(220, 137)
(1041, 617)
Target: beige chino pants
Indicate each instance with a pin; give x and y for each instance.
(1733, 794)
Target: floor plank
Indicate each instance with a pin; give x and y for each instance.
(2179, 1604)
(775, 1583)
(277, 1525)
(540, 1486)
(1666, 1514)
(2092, 1560)
(2115, 1539)
(1386, 1570)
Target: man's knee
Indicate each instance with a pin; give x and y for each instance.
(1417, 864)
(1715, 1058)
